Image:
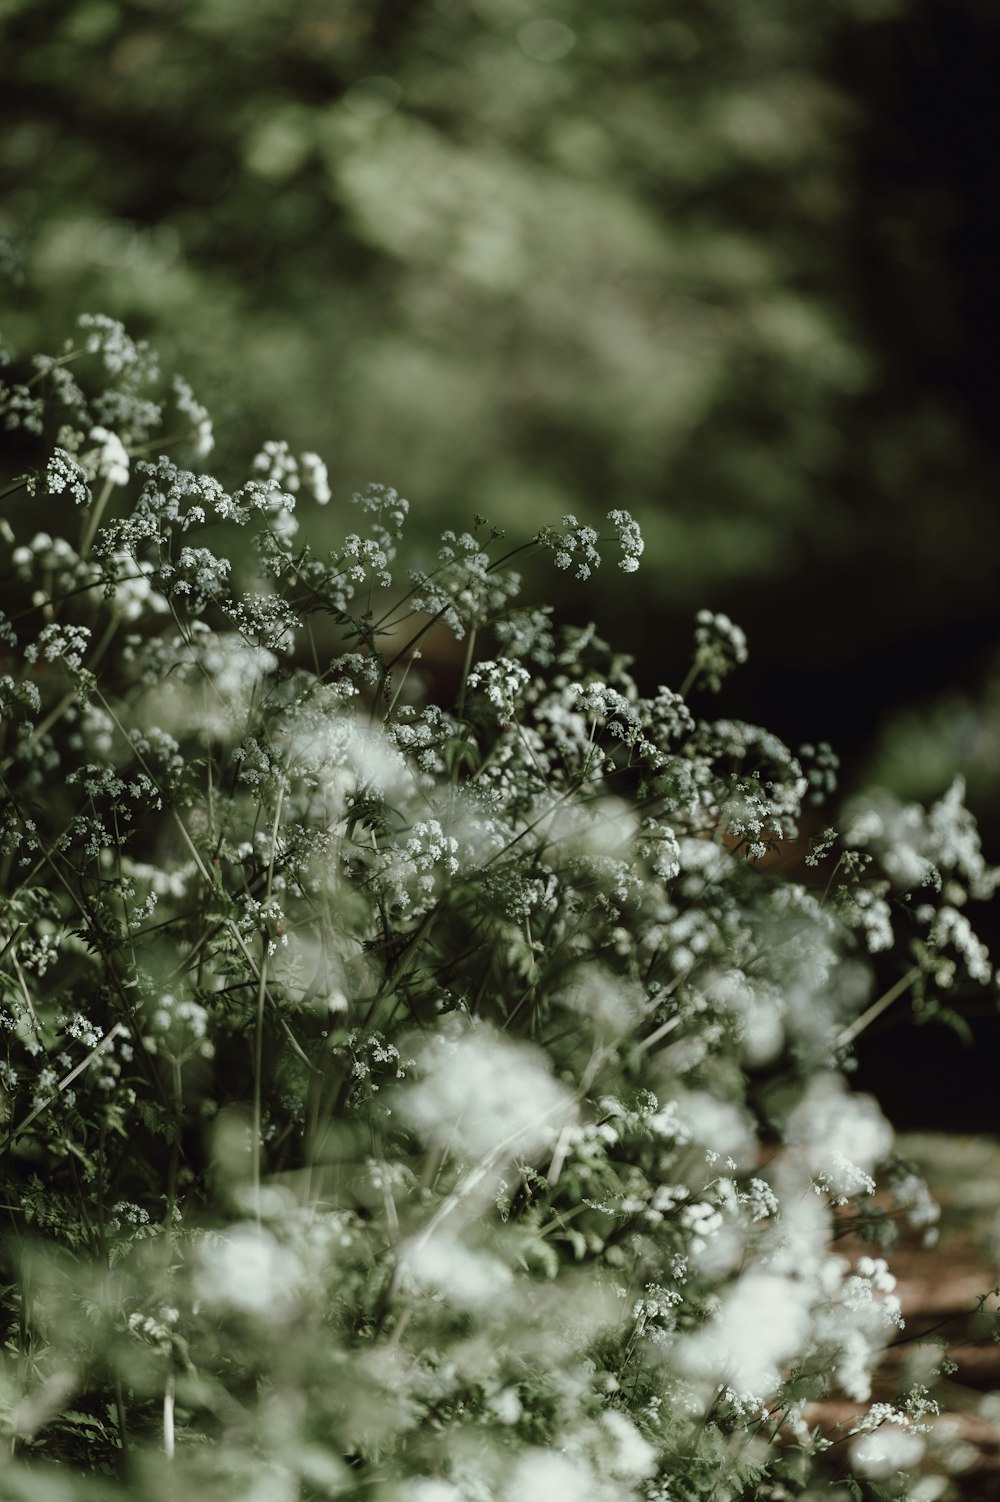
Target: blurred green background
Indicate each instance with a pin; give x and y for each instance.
(729, 264)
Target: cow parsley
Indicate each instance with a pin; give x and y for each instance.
(431, 1097)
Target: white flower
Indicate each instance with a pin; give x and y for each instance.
(887, 1450)
(634, 1456)
(630, 540)
(64, 473)
(719, 647)
(315, 475)
(107, 337)
(917, 848)
(424, 1490)
(547, 1476)
(247, 1270)
(507, 1405)
(187, 403)
(442, 1264)
(502, 682)
(482, 1094)
(762, 1324)
(843, 1135)
(110, 460)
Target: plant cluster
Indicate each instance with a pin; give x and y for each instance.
(414, 1101)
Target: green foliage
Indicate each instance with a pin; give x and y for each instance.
(606, 257)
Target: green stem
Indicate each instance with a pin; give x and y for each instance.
(470, 647)
(258, 1060)
(877, 1008)
(688, 683)
(94, 520)
(258, 1068)
(120, 1413)
(168, 1417)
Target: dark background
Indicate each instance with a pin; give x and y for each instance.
(732, 267)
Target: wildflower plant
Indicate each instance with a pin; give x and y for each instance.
(410, 1100)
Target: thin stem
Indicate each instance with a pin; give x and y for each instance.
(877, 1008)
(94, 520)
(120, 1414)
(258, 1052)
(399, 686)
(65, 1082)
(689, 681)
(258, 1069)
(470, 647)
(168, 1417)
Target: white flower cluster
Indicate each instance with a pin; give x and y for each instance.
(64, 473)
(421, 735)
(178, 1026)
(947, 928)
(198, 573)
(498, 994)
(719, 648)
(486, 1098)
(871, 1276)
(865, 909)
(56, 562)
(630, 540)
(108, 338)
(81, 1028)
(37, 954)
(197, 415)
(366, 558)
(55, 643)
(276, 461)
(130, 586)
(109, 460)
(920, 848)
(821, 765)
(465, 590)
(374, 1059)
(408, 877)
(503, 684)
(578, 544)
